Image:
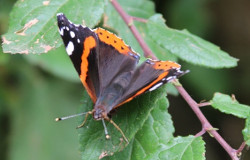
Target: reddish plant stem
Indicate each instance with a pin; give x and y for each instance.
(203, 131)
(129, 21)
(242, 146)
(206, 126)
(205, 123)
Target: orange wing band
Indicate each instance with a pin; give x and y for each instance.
(89, 43)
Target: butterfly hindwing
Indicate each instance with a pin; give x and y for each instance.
(149, 76)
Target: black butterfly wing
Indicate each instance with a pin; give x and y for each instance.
(149, 76)
(98, 55)
(82, 47)
(114, 57)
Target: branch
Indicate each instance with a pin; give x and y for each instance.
(206, 126)
(205, 123)
(242, 146)
(129, 21)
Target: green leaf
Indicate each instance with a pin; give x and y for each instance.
(130, 118)
(228, 105)
(160, 52)
(33, 26)
(157, 130)
(187, 46)
(184, 148)
(246, 131)
(179, 148)
(56, 62)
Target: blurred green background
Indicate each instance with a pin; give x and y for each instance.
(31, 97)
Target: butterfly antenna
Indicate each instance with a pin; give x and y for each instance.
(71, 116)
(105, 129)
(185, 72)
(118, 128)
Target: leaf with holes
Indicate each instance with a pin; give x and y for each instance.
(33, 28)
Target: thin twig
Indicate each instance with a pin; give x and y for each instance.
(203, 131)
(242, 146)
(206, 126)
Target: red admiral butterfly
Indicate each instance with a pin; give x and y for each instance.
(108, 68)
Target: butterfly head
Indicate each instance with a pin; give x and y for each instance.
(99, 112)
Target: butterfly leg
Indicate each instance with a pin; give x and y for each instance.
(118, 128)
(86, 117)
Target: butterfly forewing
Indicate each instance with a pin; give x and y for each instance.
(82, 46)
(114, 57)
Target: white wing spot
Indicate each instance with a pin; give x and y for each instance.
(72, 34)
(67, 28)
(59, 14)
(70, 48)
(156, 86)
(78, 40)
(61, 31)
